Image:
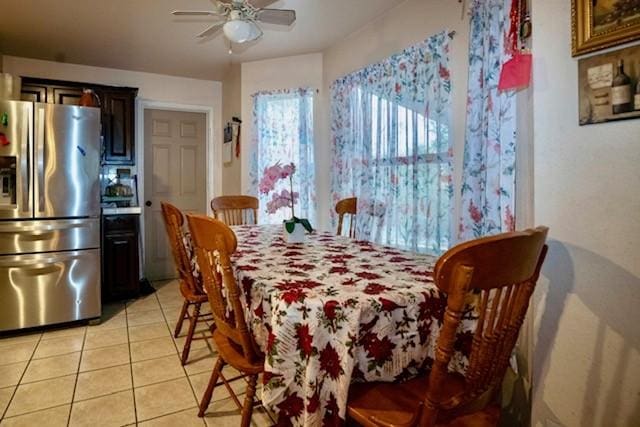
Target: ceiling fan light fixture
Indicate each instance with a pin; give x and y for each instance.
(240, 31)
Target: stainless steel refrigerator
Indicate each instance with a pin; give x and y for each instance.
(49, 214)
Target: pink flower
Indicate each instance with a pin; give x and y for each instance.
(475, 213)
(284, 199)
(444, 72)
(509, 220)
(287, 170)
(271, 176)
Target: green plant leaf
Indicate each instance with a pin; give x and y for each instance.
(307, 225)
(290, 226)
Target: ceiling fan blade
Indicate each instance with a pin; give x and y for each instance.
(194, 13)
(277, 16)
(261, 4)
(211, 30)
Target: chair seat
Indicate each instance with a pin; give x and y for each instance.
(232, 356)
(396, 403)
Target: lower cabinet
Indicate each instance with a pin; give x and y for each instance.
(120, 268)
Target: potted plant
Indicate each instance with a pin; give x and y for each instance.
(294, 228)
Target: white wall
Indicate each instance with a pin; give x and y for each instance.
(282, 73)
(587, 190)
(232, 107)
(154, 87)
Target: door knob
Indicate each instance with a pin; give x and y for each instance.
(148, 203)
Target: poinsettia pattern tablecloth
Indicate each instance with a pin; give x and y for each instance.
(334, 310)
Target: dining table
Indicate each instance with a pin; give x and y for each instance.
(334, 310)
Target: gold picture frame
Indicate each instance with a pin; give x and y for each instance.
(599, 24)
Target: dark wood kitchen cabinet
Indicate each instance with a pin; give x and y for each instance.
(117, 126)
(120, 268)
(117, 105)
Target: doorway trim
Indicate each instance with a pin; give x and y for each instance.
(143, 104)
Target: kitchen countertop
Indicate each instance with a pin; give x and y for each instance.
(122, 211)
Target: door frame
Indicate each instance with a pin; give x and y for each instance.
(143, 104)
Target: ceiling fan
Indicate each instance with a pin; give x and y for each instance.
(239, 18)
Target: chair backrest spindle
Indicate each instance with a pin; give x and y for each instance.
(236, 210)
(174, 222)
(347, 207)
(502, 271)
(215, 243)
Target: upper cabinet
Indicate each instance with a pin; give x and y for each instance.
(117, 126)
(117, 105)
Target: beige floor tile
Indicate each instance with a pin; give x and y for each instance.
(169, 296)
(19, 339)
(104, 357)
(41, 395)
(52, 417)
(188, 418)
(199, 384)
(56, 346)
(73, 331)
(171, 303)
(196, 344)
(116, 322)
(51, 367)
(225, 413)
(105, 338)
(102, 382)
(11, 374)
(5, 397)
(201, 327)
(200, 360)
(147, 303)
(112, 410)
(145, 317)
(148, 332)
(157, 370)
(17, 352)
(164, 398)
(152, 349)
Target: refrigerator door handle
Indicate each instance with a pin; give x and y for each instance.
(25, 167)
(40, 147)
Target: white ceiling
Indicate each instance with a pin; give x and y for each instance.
(142, 35)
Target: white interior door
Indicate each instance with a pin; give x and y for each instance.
(174, 151)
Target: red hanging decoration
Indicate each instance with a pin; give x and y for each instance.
(516, 72)
(511, 39)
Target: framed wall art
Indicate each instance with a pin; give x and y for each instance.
(609, 86)
(599, 24)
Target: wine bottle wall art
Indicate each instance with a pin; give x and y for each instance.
(609, 86)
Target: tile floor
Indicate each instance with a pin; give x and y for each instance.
(124, 371)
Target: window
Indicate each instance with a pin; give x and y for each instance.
(283, 133)
(392, 149)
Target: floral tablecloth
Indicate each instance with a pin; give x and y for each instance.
(334, 310)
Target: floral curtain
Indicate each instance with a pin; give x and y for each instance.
(488, 181)
(392, 150)
(283, 133)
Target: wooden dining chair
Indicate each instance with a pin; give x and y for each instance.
(190, 283)
(347, 207)
(214, 243)
(501, 272)
(235, 210)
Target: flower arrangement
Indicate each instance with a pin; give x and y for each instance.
(285, 198)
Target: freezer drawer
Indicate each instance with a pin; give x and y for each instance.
(19, 237)
(45, 289)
